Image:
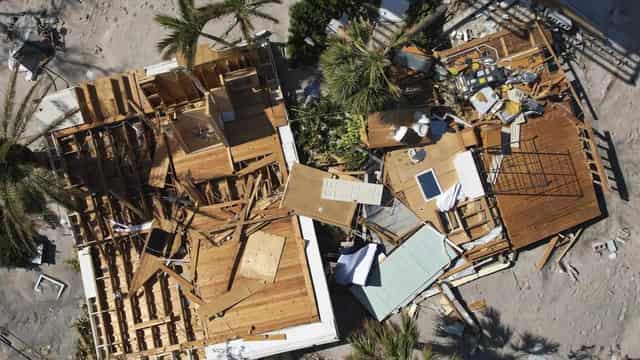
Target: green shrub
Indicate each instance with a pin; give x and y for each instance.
(326, 135)
(309, 18)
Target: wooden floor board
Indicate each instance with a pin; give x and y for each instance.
(534, 210)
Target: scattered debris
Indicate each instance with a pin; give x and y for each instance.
(61, 286)
(354, 268)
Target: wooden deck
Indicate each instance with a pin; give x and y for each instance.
(289, 301)
(546, 187)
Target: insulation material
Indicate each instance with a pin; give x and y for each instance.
(468, 175)
(448, 199)
(350, 191)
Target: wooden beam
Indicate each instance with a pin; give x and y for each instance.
(263, 337)
(573, 241)
(186, 286)
(282, 213)
(128, 204)
(190, 188)
(547, 252)
(152, 323)
(257, 165)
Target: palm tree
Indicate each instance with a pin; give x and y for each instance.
(25, 181)
(358, 68)
(242, 11)
(388, 341)
(185, 31)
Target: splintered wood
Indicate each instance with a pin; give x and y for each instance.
(198, 156)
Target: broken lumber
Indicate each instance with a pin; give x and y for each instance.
(574, 239)
(457, 306)
(263, 337)
(152, 323)
(547, 252)
(257, 165)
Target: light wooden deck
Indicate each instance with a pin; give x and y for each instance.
(289, 301)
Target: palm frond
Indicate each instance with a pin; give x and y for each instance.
(44, 182)
(263, 15)
(169, 22)
(9, 102)
(259, 3)
(246, 27)
(230, 28)
(168, 45)
(31, 111)
(217, 39)
(54, 124)
(216, 11)
(186, 8)
(24, 104)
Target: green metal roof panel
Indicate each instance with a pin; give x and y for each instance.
(409, 270)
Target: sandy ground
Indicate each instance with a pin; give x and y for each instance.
(601, 309)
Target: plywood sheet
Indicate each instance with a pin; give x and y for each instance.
(303, 194)
(203, 165)
(261, 256)
(288, 301)
(195, 129)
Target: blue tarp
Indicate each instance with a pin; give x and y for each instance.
(409, 270)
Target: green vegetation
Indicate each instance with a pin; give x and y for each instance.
(85, 346)
(382, 341)
(419, 9)
(358, 69)
(184, 32)
(309, 19)
(242, 11)
(358, 74)
(73, 263)
(25, 181)
(186, 29)
(326, 135)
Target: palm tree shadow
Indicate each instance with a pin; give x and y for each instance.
(534, 344)
(496, 340)
(74, 63)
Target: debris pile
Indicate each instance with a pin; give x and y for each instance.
(495, 161)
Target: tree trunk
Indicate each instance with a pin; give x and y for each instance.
(426, 21)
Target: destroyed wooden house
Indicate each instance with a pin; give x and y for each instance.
(491, 178)
(184, 249)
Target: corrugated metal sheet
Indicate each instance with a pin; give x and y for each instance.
(406, 272)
